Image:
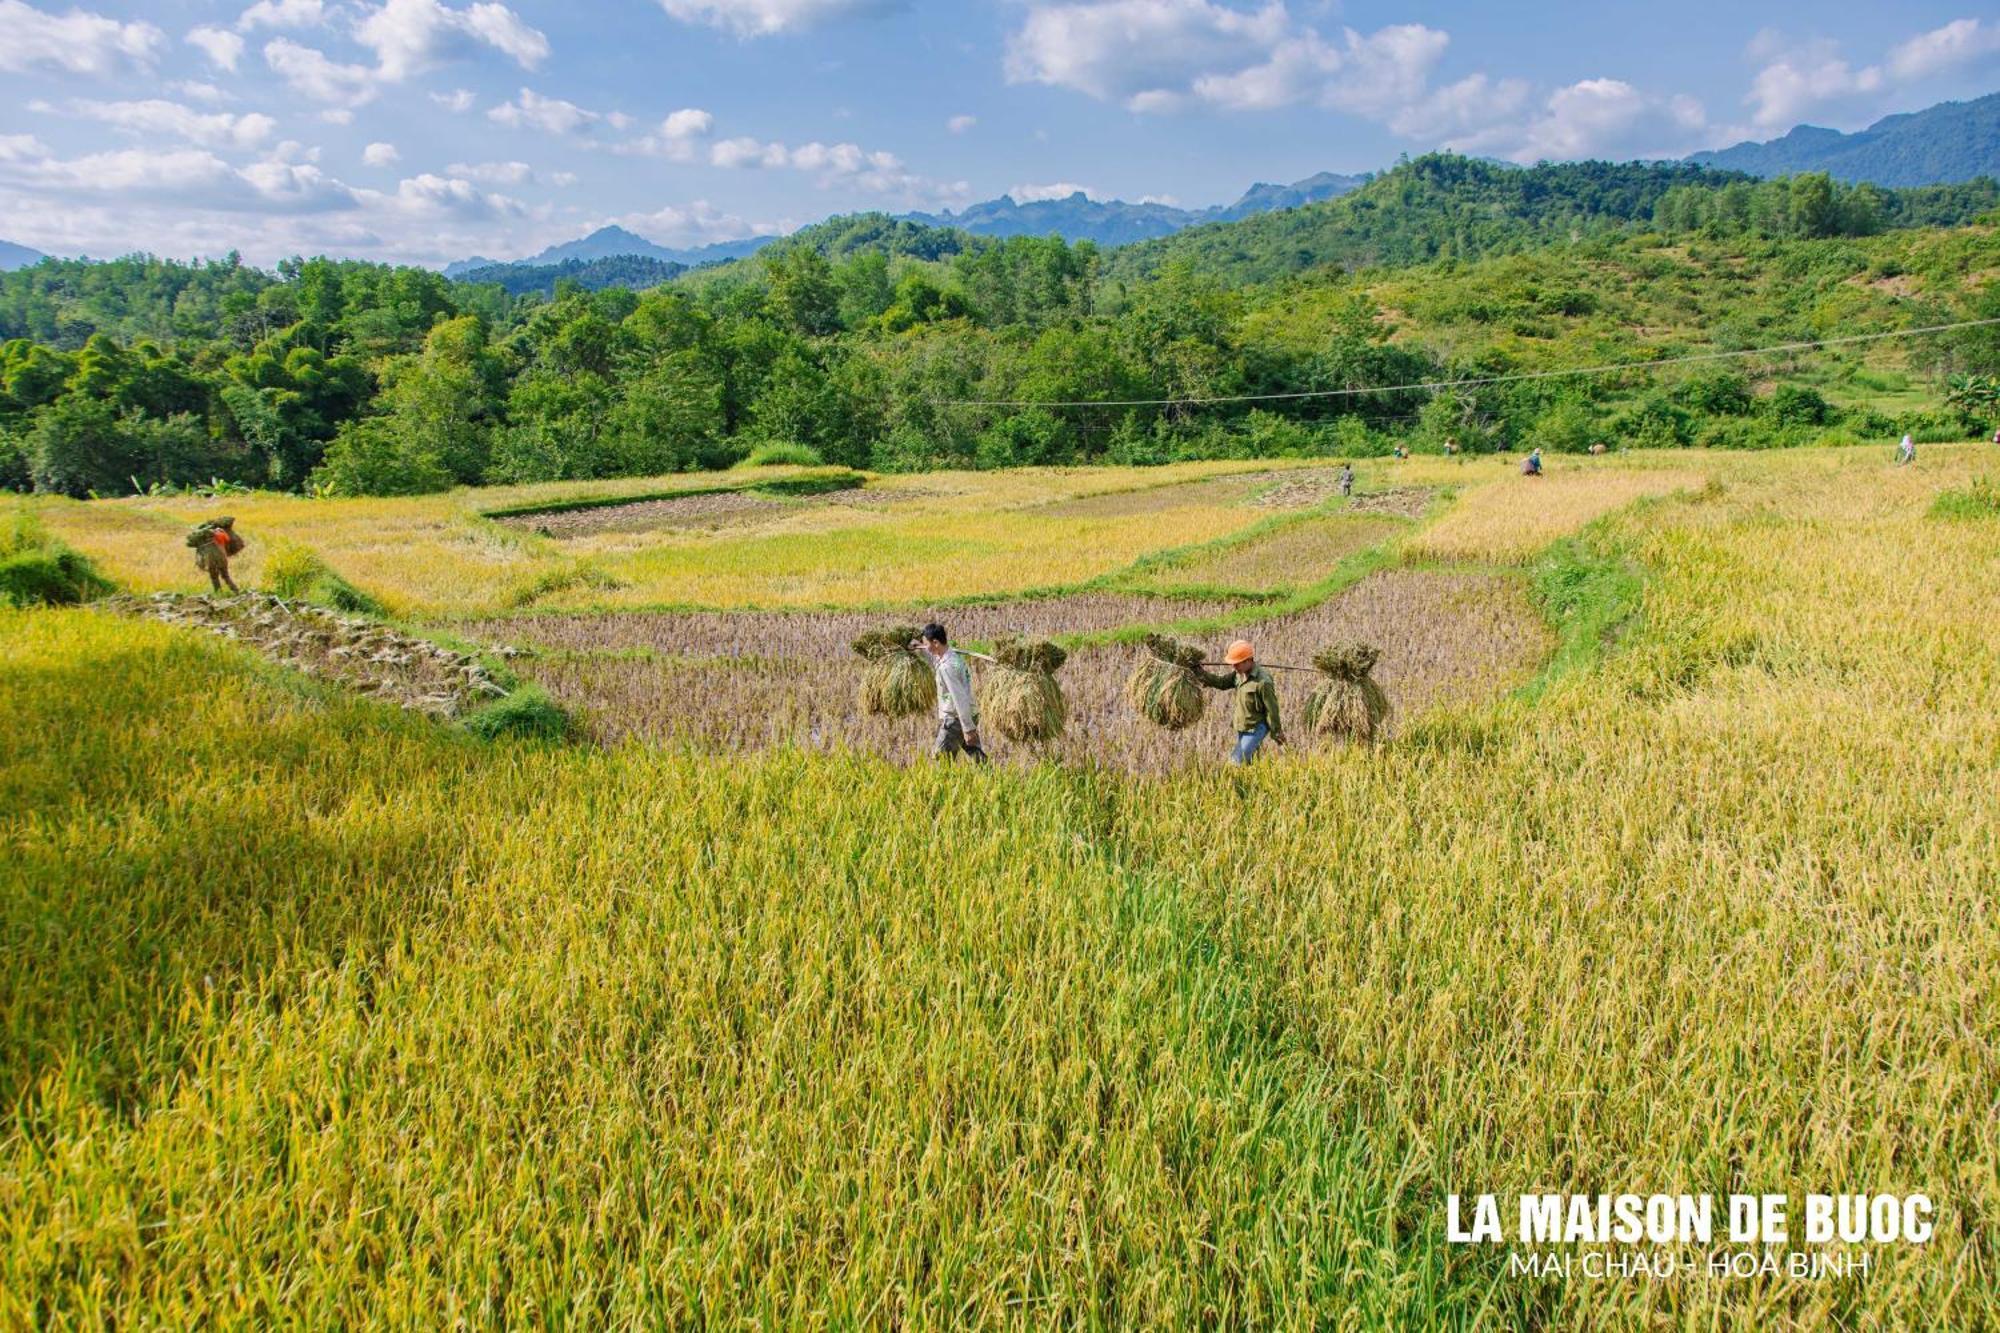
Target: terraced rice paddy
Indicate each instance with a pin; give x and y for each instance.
(748, 681)
(316, 1011)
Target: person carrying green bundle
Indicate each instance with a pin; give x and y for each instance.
(1254, 699)
(213, 543)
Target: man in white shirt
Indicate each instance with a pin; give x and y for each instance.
(958, 715)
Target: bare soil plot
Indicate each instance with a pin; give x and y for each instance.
(826, 634)
(1442, 635)
(1231, 490)
(713, 510)
(1401, 502)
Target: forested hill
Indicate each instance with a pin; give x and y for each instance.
(1444, 206)
(636, 272)
(1950, 142)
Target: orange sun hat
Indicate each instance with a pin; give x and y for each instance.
(1239, 653)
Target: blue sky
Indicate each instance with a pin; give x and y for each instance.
(427, 130)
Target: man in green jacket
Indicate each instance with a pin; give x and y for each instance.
(1254, 698)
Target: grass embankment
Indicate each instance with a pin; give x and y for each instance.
(316, 1013)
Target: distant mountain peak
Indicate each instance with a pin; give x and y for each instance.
(14, 256)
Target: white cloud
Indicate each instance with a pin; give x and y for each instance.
(677, 136)
(222, 47)
(406, 37)
(1596, 118)
(282, 14)
(1034, 194)
(1804, 78)
(960, 124)
(381, 155)
(338, 115)
(744, 151)
(1941, 49)
(1156, 56)
(839, 164)
(311, 74)
(1812, 79)
(686, 123)
(201, 92)
(458, 101)
(160, 118)
(191, 177)
(492, 173)
(765, 18)
(430, 194)
(409, 36)
(534, 111)
(1473, 104)
(79, 41)
(698, 223)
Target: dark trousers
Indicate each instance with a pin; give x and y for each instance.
(950, 742)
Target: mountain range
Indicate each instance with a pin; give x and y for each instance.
(614, 242)
(1076, 217)
(1944, 144)
(1941, 145)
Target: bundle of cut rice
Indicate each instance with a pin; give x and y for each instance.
(1023, 701)
(1163, 686)
(1347, 703)
(896, 682)
(203, 534)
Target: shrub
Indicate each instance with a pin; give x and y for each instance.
(38, 570)
(779, 453)
(1796, 405)
(296, 573)
(1714, 393)
(370, 457)
(1569, 427)
(526, 714)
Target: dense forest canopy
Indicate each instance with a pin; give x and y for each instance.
(863, 337)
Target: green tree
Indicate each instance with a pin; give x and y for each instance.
(371, 457)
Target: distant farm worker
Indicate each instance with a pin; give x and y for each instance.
(214, 542)
(1347, 478)
(958, 715)
(1255, 700)
(1450, 447)
(1599, 449)
(1906, 452)
(1531, 466)
(1996, 435)
(1402, 452)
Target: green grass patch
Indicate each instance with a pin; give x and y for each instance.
(1979, 500)
(1588, 595)
(526, 714)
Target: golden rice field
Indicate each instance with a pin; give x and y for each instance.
(314, 1012)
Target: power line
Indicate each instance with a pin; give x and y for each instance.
(1435, 385)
